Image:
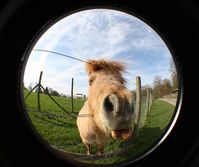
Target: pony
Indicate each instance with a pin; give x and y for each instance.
(108, 111)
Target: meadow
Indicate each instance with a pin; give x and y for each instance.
(60, 131)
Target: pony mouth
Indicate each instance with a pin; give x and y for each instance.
(122, 134)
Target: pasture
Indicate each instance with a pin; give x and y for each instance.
(60, 131)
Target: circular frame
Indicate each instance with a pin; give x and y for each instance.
(19, 144)
(171, 123)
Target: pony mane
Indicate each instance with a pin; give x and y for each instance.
(110, 67)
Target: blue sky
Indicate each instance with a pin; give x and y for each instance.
(94, 34)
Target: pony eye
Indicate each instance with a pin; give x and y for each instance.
(91, 80)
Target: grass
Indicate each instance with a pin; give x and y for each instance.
(158, 119)
(61, 132)
(48, 105)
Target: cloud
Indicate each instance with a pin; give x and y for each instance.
(94, 34)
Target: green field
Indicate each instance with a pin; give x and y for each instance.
(60, 130)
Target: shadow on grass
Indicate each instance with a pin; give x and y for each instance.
(156, 115)
(136, 147)
(148, 135)
(131, 149)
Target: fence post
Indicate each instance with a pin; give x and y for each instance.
(38, 91)
(147, 105)
(150, 100)
(72, 94)
(138, 105)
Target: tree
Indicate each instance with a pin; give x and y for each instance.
(166, 86)
(29, 87)
(174, 75)
(161, 87)
(52, 92)
(157, 83)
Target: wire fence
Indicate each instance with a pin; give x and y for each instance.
(142, 103)
(38, 87)
(66, 114)
(145, 107)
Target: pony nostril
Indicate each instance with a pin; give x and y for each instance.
(108, 105)
(111, 103)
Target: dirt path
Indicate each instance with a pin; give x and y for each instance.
(170, 101)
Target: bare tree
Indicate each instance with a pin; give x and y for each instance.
(161, 87)
(174, 75)
(157, 83)
(166, 86)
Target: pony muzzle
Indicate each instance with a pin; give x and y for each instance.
(122, 134)
(111, 103)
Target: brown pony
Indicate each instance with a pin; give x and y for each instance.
(108, 111)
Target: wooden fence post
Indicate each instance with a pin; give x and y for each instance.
(138, 105)
(39, 91)
(150, 100)
(147, 105)
(72, 94)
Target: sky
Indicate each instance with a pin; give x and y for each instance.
(95, 34)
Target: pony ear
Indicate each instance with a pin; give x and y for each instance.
(92, 66)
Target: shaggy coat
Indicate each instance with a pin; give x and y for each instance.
(107, 111)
